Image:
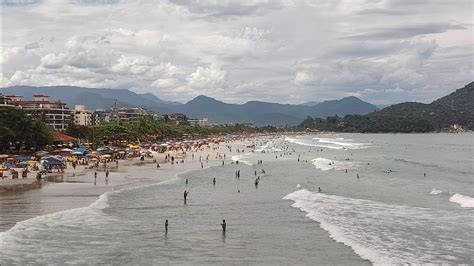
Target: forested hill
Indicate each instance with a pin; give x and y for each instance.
(455, 108)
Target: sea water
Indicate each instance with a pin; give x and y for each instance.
(412, 203)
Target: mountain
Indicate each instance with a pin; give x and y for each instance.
(344, 106)
(310, 103)
(255, 112)
(382, 106)
(455, 108)
(94, 98)
(264, 113)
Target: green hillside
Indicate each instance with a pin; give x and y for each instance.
(455, 108)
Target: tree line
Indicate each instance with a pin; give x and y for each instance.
(22, 133)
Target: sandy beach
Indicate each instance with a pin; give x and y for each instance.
(23, 199)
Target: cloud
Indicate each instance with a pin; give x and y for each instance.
(304, 77)
(229, 8)
(165, 83)
(285, 51)
(33, 45)
(19, 2)
(53, 61)
(207, 77)
(130, 65)
(406, 31)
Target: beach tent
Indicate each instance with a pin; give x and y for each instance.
(21, 158)
(82, 150)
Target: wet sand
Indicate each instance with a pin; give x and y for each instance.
(76, 188)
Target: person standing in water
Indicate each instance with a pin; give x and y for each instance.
(224, 226)
(186, 181)
(166, 226)
(214, 181)
(319, 189)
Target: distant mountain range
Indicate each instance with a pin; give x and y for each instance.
(255, 112)
(310, 103)
(455, 108)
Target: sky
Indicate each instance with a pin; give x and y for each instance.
(288, 51)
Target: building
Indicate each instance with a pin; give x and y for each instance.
(100, 116)
(199, 122)
(119, 115)
(54, 114)
(175, 119)
(6, 102)
(131, 114)
(82, 117)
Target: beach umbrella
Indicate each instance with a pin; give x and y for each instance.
(2, 156)
(77, 153)
(66, 150)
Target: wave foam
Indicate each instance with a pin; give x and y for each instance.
(326, 164)
(435, 191)
(336, 144)
(268, 147)
(241, 158)
(464, 201)
(343, 143)
(372, 229)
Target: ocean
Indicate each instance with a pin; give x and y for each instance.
(405, 198)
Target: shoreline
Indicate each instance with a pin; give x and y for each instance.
(74, 185)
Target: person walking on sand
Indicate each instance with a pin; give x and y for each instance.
(95, 178)
(158, 165)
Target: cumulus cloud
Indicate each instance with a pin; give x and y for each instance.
(165, 83)
(284, 51)
(304, 77)
(53, 60)
(207, 77)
